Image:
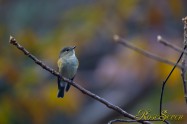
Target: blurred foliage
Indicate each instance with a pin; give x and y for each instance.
(28, 93)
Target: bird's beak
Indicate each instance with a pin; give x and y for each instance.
(74, 47)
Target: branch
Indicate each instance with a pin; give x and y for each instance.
(84, 91)
(165, 81)
(131, 121)
(120, 120)
(143, 52)
(155, 57)
(183, 69)
(168, 44)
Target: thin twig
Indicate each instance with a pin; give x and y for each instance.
(164, 83)
(132, 121)
(168, 44)
(143, 52)
(120, 120)
(84, 91)
(183, 69)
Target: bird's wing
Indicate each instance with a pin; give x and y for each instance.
(59, 63)
(77, 63)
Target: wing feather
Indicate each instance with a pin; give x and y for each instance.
(60, 64)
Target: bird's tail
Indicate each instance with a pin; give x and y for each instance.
(61, 93)
(68, 85)
(61, 87)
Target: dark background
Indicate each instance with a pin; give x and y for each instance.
(122, 76)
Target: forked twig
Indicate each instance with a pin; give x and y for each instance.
(164, 82)
(150, 55)
(125, 43)
(168, 44)
(182, 69)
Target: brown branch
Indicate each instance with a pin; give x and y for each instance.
(143, 52)
(168, 44)
(183, 69)
(84, 91)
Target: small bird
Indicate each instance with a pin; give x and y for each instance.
(67, 65)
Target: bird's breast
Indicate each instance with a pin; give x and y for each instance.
(69, 67)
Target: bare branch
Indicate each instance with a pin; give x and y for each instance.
(183, 69)
(120, 120)
(155, 57)
(168, 44)
(84, 91)
(143, 52)
(165, 81)
(131, 121)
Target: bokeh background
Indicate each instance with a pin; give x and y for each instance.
(116, 73)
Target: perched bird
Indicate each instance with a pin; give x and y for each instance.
(67, 65)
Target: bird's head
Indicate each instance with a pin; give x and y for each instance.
(67, 51)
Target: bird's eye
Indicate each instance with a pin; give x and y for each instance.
(67, 50)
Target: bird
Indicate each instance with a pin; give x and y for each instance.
(67, 66)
